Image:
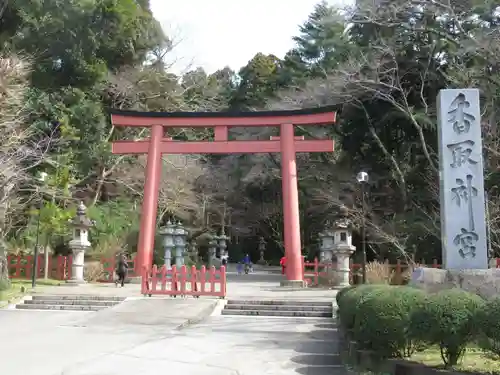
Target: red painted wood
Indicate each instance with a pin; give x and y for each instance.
(277, 138)
(221, 133)
(221, 147)
(184, 281)
(206, 122)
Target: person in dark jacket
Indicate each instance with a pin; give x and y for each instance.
(121, 270)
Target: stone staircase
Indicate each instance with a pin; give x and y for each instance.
(69, 302)
(284, 308)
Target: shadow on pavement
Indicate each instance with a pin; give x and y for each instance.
(319, 353)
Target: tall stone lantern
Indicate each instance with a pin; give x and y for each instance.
(342, 247)
(180, 235)
(167, 233)
(222, 243)
(79, 244)
(212, 249)
(262, 251)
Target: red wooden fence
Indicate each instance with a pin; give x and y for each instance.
(21, 267)
(184, 281)
(313, 271)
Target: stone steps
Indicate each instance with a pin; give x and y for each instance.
(69, 303)
(283, 308)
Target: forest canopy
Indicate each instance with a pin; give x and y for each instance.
(65, 63)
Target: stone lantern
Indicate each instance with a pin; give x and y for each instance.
(262, 250)
(80, 242)
(326, 246)
(212, 249)
(343, 248)
(222, 243)
(180, 235)
(167, 233)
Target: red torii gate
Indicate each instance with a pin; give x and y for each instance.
(286, 144)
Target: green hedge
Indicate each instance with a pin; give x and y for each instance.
(447, 320)
(351, 298)
(382, 321)
(394, 321)
(488, 324)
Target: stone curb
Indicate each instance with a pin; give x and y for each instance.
(205, 313)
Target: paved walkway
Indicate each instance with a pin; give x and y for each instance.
(148, 335)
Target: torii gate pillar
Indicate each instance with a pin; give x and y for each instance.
(291, 217)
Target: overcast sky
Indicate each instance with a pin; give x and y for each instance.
(216, 33)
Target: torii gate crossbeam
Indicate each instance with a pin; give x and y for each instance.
(286, 144)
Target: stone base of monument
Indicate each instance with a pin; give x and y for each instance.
(484, 282)
(293, 284)
(72, 282)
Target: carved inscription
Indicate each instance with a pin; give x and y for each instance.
(461, 152)
(459, 116)
(463, 194)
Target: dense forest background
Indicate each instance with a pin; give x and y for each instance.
(65, 63)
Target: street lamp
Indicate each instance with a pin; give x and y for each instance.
(362, 178)
(41, 178)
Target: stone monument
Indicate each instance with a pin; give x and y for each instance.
(180, 235)
(262, 251)
(222, 243)
(212, 250)
(79, 244)
(342, 245)
(463, 218)
(167, 233)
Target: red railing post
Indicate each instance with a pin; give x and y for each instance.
(164, 279)
(223, 281)
(175, 277)
(212, 279)
(183, 279)
(194, 281)
(203, 279)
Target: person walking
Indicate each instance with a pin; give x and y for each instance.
(283, 265)
(122, 270)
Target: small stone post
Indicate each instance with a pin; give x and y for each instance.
(167, 232)
(343, 248)
(212, 249)
(222, 242)
(262, 251)
(81, 225)
(326, 246)
(180, 235)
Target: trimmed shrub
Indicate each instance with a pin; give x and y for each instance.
(351, 299)
(446, 319)
(341, 292)
(488, 323)
(382, 322)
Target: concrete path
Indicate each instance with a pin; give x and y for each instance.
(155, 335)
(58, 343)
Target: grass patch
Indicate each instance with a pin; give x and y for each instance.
(21, 287)
(475, 360)
(42, 282)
